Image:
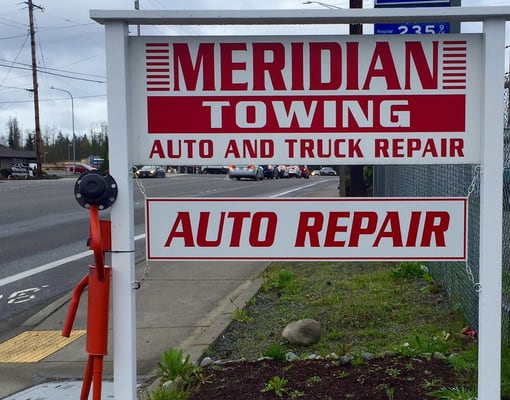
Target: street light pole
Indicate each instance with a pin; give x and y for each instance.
(508, 88)
(72, 114)
(330, 6)
(356, 170)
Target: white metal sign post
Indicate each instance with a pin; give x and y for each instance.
(491, 194)
(354, 112)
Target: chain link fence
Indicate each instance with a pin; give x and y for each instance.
(459, 279)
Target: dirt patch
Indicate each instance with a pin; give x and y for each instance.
(379, 379)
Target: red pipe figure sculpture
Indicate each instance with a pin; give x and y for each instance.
(94, 192)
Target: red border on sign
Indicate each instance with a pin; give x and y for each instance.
(315, 200)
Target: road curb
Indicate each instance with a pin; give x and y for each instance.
(218, 321)
(51, 308)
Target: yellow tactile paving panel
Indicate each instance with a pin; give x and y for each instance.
(33, 346)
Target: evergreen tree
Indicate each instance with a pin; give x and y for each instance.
(14, 139)
(30, 142)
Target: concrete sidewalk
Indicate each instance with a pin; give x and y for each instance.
(183, 305)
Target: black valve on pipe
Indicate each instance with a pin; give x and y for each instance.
(95, 188)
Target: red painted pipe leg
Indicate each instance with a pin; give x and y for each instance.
(87, 379)
(73, 306)
(98, 377)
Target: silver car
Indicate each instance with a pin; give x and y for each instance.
(254, 172)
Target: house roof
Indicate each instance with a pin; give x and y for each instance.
(6, 152)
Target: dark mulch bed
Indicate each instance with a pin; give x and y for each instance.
(379, 379)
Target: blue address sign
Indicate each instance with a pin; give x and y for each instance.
(412, 28)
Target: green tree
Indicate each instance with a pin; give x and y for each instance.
(30, 141)
(14, 139)
(62, 147)
(83, 143)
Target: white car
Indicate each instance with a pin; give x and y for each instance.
(20, 170)
(327, 171)
(294, 171)
(254, 172)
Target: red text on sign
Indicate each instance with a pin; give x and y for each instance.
(345, 229)
(182, 229)
(314, 229)
(264, 66)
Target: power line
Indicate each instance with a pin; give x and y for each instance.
(13, 87)
(57, 69)
(67, 26)
(45, 100)
(54, 74)
(13, 37)
(15, 58)
(82, 60)
(13, 24)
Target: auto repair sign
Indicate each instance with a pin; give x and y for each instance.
(304, 99)
(304, 229)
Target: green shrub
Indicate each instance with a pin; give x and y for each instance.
(276, 352)
(277, 385)
(281, 279)
(411, 270)
(169, 394)
(173, 365)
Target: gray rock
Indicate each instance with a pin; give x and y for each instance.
(367, 356)
(290, 356)
(345, 360)
(177, 383)
(303, 332)
(206, 361)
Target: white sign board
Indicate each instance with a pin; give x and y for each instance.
(306, 229)
(307, 99)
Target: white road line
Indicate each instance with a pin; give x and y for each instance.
(51, 265)
(294, 190)
(75, 257)
(42, 268)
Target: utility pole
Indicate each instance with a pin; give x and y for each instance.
(356, 175)
(354, 29)
(35, 89)
(137, 7)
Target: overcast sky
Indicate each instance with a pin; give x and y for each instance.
(70, 55)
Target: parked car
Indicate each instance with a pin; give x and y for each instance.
(20, 170)
(305, 172)
(294, 171)
(80, 168)
(316, 172)
(283, 171)
(214, 169)
(271, 171)
(327, 171)
(254, 172)
(151, 171)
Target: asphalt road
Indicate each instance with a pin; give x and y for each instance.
(43, 231)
